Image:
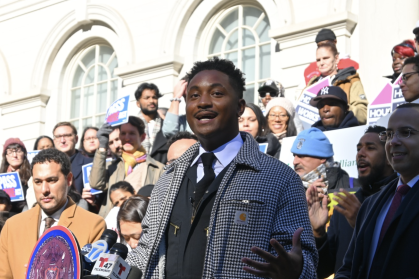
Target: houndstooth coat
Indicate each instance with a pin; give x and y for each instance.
(266, 190)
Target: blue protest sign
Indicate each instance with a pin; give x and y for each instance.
(117, 113)
(32, 154)
(10, 183)
(86, 169)
(263, 147)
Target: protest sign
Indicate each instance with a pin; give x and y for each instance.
(117, 113)
(307, 113)
(86, 169)
(344, 143)
(389, 98)
(32, 154)
(263, 147)
(332, 195)
(10, 183)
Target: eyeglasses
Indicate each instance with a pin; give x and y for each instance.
(272, 94)
(91, 138)
(280, 116)
(400, 134)
(11, 151)
(65, 136)
(406, 76)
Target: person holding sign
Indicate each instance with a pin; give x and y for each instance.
(52, 178)
(347, 79)
(15, 159)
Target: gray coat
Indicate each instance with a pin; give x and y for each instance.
(269, 192)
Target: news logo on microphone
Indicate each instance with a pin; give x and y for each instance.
(111, 266)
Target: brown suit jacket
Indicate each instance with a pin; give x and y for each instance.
(20, 234)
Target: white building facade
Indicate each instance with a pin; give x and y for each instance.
(68, 60)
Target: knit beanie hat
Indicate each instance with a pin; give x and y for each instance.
(313, 143)
(12, 141)
(281, 102)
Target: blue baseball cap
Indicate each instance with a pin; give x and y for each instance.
(313, 143)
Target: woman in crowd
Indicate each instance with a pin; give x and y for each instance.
(327, 58)
(89, 142)
(129, 219)
(119, 192)
(43, 142)
(281, 118)
(399, 53)
(15, 160)
(253, 122)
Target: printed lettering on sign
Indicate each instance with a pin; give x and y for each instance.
(378, 112)
(10, 183)
(117, 113)
(86, 170)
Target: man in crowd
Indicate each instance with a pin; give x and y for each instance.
(374, 171)
(65, 140)
(205, 210)
(327, 35)
(313, 161)
(384, 243)
(332, 103)
(178, 144)
(155, 144)
(52, 179)
(134, 164)
(269, 90)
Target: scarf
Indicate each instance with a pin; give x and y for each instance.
(280, 136)
(317, 173)
(131, 160)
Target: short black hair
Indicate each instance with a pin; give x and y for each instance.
(122, 185)
(145, 85)
(52, 155)
(181, 135)
(35, 146)
(236, 78)
(412, 60)
(137, 123)
(375, 129)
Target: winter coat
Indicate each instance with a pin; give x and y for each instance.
(268, 191)
(274, 147)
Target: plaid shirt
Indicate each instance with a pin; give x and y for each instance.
(149, 139)
(268, 191)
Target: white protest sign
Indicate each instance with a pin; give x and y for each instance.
(344, 143)
(32, 154)
(307, 113)
(10, 183)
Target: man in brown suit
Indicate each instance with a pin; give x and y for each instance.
(52, 179)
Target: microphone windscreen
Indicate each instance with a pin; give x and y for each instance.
(135, 273)
(110, 237)
(120, 250)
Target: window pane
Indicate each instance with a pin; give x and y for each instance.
(248, 62)
(89, 59)
(233, 41)
(233, 57)
(75, 104)
(100, 120)
(102, 74)
(90, 77)
(102, 90)
(265, 61)
(216, 42)
(231, 21)
(86, 123)
(78, 77)
(250, 16)
(114, 91)
(105, 53)
(248, 38)
(112, 66)
(76, 124)
(249, 94)
(263, 30)
(88, 101)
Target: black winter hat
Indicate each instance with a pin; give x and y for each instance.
(325, 35)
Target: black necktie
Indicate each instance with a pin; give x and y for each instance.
(209, 176)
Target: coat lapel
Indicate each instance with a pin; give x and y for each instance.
(68, 214)
(34, 221)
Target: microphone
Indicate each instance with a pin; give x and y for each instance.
(91, 252)
(113, 264)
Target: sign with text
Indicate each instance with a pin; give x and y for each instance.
(117, 113)
(389, 98)
(344, 143)
(86, 169)
(32, 154)
(10, 183)
(307, 113)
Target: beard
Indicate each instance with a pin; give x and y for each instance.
(146, 111)
(374, 176)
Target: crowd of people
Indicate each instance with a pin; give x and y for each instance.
(192, 196)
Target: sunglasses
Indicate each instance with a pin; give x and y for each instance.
(272, 94)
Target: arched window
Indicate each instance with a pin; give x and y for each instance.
(93, 86)
(241, 35)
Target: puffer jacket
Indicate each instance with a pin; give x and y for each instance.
(348, 79)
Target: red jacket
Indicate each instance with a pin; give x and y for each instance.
(312, 71)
